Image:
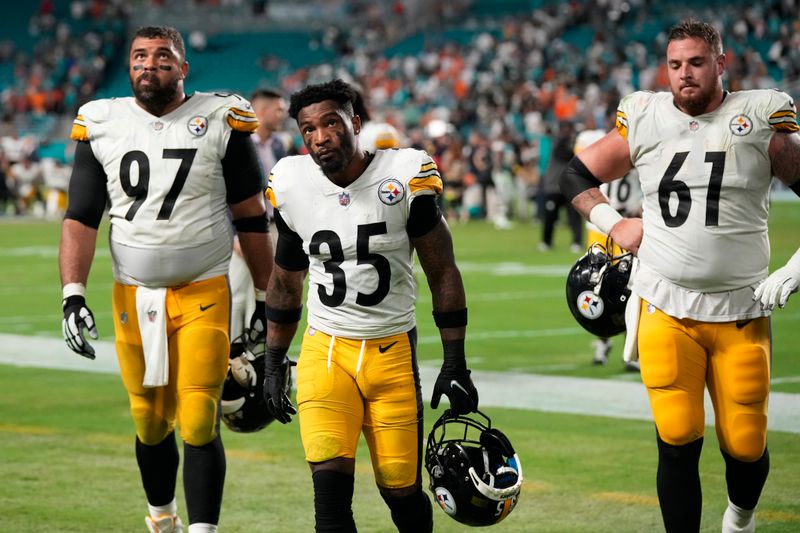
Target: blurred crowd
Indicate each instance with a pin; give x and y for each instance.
(488, 98)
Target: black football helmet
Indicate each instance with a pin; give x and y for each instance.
(243, 407)
(475, 475)
(597, 291)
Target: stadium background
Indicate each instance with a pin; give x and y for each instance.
(457, 78)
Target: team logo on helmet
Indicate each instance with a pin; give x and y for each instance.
(446, 501)
(197, 126)
(391, 191)
(741, 125)
(590, 305)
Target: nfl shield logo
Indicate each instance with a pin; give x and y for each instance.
(151, 315)
(344, 199)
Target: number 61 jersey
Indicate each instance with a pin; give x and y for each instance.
(360, 258)
(706, 183)
(164, 179)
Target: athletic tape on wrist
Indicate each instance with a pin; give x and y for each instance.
(73, 289)
(604, 217)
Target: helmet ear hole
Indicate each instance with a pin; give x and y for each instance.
(495, 441)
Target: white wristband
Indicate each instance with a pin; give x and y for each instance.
(261, 295)
(604, 217)
(73, 289)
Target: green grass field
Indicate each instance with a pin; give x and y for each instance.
(66, 441)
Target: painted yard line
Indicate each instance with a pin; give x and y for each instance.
(558, 394)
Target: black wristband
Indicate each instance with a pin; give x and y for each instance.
(284, 316)
(450, 319)
(454, 356)
(256, 224)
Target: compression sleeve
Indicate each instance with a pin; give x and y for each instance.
(289, 253)
(241, 168)
(87, 188)
(576, 178)
(423, 216)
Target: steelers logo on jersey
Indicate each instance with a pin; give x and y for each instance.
(741, 125)
(390, 191)
(198, 125)
(590, 305)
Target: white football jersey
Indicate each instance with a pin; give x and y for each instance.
(361, 281)
(706, 183)
(169, 216)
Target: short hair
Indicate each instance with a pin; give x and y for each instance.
(270, 94)
(693, 28)
(336, 90)
(162, 32)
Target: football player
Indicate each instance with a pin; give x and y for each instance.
(353, 220)
(705, 158)
(624, 195)
(171, 166)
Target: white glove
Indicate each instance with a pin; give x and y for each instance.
(779, 285)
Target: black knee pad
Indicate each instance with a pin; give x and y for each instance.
(333, 501)
(411, 513)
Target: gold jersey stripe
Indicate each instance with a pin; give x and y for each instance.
(622, 124)
(79, 132)
(242, 113)
(785, 113)
(427, 166)
(271, 196)
(786, 126)
(247, 126)
(428, 183)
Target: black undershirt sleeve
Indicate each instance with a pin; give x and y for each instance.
(241, 168)
(87, 188)
(423, 216)
(289, 253)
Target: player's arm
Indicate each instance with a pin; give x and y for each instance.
(603, 161)
(431, 239)
(784, 156)
(87, 201)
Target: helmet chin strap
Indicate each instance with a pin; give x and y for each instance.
(492, 492)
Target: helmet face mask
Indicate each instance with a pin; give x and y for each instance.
(597, 291)
(243, 407)
(475, 475)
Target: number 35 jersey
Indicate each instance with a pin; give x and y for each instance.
(164, 179)
(361, 281)
(706, 183)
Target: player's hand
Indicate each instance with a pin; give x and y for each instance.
(627, 234)
(78, 317)
(776, 289)
(458, 386)
(278, 384)
(256, 334)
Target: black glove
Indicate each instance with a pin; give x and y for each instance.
(278, 384)
(256, 334)
(454, 381)
(78, 317)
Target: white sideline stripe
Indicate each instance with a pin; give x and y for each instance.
(614, 398)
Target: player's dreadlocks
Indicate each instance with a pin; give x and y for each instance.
(336, 90)
(693, 28)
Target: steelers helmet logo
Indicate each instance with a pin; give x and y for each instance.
(197, 126)
(446, 501)
(741, 125)
(391, 191)
(590, 305)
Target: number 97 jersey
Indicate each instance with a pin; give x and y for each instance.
(360, 258)
(706, 182)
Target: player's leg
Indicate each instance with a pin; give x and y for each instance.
(673, 366)
(331, 412)
(199, 348)
(153, 413)
(738, 382)
(393, 428)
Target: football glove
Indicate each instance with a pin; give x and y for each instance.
(256, 334)
(776, 289)
(277, 376)
(454, 381)
(78, 317)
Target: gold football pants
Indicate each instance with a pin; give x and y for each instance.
(349, 386)
(679, 357)
(197, 333)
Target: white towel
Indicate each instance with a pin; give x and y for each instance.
(630, 352)
(152, 312)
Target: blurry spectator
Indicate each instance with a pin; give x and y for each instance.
(26, 177)
(56, 181)
(6, 193)
(554, 201)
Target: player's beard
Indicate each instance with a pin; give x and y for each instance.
(155, 97)
(342, 156)
(696, 104)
